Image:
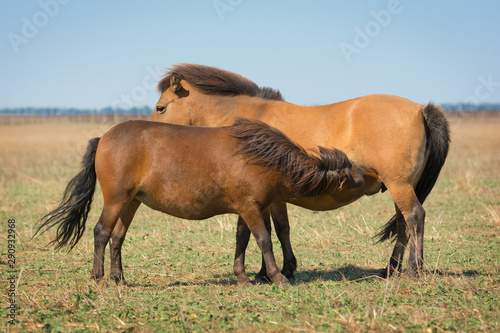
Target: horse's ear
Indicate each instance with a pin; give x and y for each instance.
(175, 82)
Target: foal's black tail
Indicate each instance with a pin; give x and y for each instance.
(438, 143)
(72, 213)
(307, 174)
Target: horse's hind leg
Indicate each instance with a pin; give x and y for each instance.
(117, 238)
(396, 261)
(414, 215)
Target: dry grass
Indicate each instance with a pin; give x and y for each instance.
(181, 271)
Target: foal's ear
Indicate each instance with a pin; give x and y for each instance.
(175, 82)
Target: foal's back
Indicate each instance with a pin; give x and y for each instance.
(188, 172)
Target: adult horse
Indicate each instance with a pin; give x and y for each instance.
(195, 173)
(405, 143)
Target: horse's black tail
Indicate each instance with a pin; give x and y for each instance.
(74, 208)
(307, 174)
(438, 143)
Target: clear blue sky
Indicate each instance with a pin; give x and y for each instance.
(93, 54)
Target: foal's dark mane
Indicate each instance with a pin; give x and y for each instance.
(308, 175)
(215, 81)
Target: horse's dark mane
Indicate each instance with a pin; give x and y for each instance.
(307, 175)
(215, 81)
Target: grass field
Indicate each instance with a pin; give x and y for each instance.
(180, 272)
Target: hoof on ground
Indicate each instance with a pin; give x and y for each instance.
(388, 273)
(280, 280)
(243, 280)
(413, 273)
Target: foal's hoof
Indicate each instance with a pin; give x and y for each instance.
(243, 280)
(280, 280)
(97, 279)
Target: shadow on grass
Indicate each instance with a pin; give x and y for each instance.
(346, 273)
(354, 273)
(350, 273)
(218, 280)
(467, 273)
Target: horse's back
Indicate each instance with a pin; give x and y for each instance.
(384, 133)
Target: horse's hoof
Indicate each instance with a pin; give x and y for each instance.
(121, 282)
(290, 277)
(389, 272)
(384, 274)
(413, 272)
(280, 280)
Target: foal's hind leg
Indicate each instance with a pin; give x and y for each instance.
(262, 276)
(102, 233)
(282, 228)
(242, 238)
(414, 215)
(117, 238)
(254, 218)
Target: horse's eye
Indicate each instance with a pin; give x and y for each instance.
(160, 109)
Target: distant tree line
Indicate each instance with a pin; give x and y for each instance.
(31, 111)
(483, 107)
(144, 110)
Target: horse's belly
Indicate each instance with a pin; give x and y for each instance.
(323, 203)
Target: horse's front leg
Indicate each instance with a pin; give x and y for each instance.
(282, 227)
